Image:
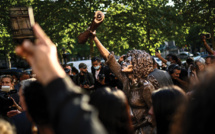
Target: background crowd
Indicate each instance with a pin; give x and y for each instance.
(131, 95)
(61, 99)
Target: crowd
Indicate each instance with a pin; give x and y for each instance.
(133, 95)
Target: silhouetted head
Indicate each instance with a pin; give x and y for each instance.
(165, 102)
(113, 109)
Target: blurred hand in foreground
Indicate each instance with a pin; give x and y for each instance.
(42, 56)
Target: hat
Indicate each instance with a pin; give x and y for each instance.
(82, 65)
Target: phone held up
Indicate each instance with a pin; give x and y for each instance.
(157, 50)
(22, 20)
(207, 35)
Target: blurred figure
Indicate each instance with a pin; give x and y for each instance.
(7, 80)
(200, 63)
(68, 71)
(74, 71)
(15, 79)
(114, 111)
(170, 59)
(209, 50)
(84, 79)
(20, 118)
(198, 116)
(196, 70)
(100, 73)
(23, 76)
(178, 78)
(6, 127)
(36, 107)
(189, 63)
(7, 98)
(163, 77)
(165, 103)
(210, 60)
(68, 106)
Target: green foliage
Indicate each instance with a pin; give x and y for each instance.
(199, 15)
(139, 24)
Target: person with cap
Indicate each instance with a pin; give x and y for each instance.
(84, 79)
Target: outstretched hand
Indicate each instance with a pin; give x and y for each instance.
(157, 54)
(42, 56)
(203, 38)
(121, 58)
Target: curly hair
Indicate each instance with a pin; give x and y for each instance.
(142, 63)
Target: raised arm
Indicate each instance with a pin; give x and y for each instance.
(157, 54)
(209, 50)
(110, 59)
(103, 51)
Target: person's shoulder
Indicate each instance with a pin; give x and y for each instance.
(89, 73)
(184, 70)
(159, 71)
(106, 68)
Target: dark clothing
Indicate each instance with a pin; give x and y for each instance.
(6, 102)
(163, 77)
(105, 71)
(86, 79)
(17, 86)
(183, 76)
(22, 124)
(69, 109)
(115, 82)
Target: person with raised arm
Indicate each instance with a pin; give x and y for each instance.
(68, 106)
(137, 85)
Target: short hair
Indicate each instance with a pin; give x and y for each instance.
(24, 73)
(174, 57)
(36, 102)
(212, 57)
(74, 70)
(7, 76)
(173, 67)
(189, 60)
(96, 59)
(82, 65)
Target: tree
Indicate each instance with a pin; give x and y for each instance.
(198, 12)
(128, 24)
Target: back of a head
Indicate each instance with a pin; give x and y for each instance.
(74, 70)
(189, 60)
(165, 103)
(36, 103)
(113, 110)
(199, 114)
(174, 57)
(6, 127)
